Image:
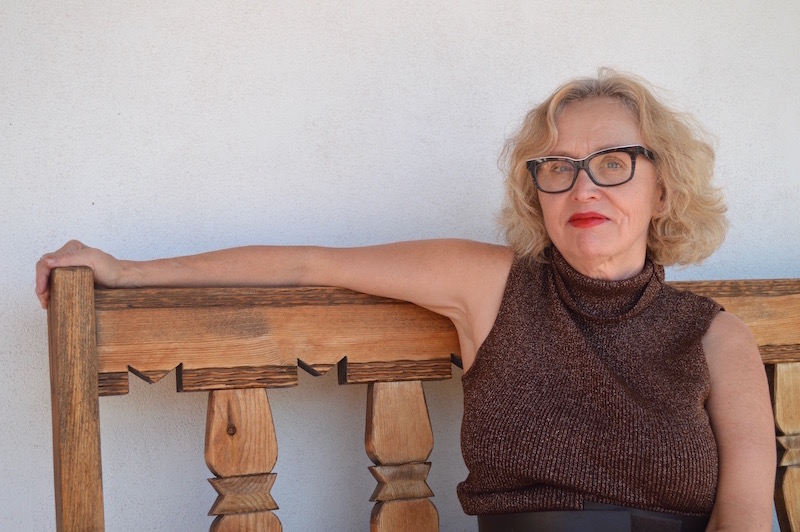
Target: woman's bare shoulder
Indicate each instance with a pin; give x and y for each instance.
(729, 338)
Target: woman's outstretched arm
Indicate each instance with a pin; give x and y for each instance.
(460, 279)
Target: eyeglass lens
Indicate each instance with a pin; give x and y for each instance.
(607, 169)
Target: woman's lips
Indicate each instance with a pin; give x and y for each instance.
(586, 219)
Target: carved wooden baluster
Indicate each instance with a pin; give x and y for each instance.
(399, 440)
(786, 400)
(241, 449)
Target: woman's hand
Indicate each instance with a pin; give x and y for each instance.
(106, 268)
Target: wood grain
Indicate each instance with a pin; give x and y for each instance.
(241, 448)
(74, 397)
(251, 522)
(398, 439)
(785, 388)
(770, 307)
(776, 354)
(406, 481)
(394, 370)
(789, 508)
(786, 397)
(398, 428)
(195, 380)
(267, 328)
(240, 435)
(741, 288)
(249, 493)
(419, 515)
(113, 383)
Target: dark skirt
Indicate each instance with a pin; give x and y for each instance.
(594, 517)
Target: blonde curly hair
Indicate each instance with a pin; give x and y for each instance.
(692, 224)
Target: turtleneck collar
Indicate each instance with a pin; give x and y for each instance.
(603, 300)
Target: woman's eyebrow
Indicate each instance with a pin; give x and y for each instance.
(578, 157)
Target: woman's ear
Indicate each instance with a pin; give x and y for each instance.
(660, 207)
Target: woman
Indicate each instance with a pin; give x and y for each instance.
(590, 386)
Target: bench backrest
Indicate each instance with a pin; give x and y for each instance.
(236, 342)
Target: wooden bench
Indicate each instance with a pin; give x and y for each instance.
(236, 342)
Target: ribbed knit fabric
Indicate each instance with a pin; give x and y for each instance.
(590, 390)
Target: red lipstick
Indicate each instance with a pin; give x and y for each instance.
(586, 219)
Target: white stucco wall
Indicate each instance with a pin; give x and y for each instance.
(161, 128)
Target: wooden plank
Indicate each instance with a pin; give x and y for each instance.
(113, 383)
(206, 331)
(770, 307)
(777, 354)
(75, 405)
(737, 288)
(241, 332)
(194, 380)
(393, 371)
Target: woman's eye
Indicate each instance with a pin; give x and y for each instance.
(612, 163)
(560, 167)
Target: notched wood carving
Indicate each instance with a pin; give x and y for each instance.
(406, 481)
(151, 377)
(316, 370)
(249, 493)
(789, 450)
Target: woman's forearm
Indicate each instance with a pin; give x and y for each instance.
(242, 266)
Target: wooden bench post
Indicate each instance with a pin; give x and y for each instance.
(74, 399)
(785, 384)
(241, 449)
(399, 440)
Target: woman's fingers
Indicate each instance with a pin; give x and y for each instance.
(73, 253)
(43, 267)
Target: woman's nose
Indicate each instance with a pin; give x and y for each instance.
(584, 186)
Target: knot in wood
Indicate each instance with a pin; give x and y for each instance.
(231, 430)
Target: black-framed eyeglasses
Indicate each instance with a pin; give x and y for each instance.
(606, 168)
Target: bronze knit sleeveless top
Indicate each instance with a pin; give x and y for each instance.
(590, 390)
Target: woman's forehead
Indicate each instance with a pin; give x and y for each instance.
(595, 124)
